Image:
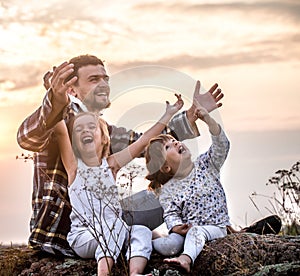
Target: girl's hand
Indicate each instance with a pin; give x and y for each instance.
(172, 109)
(202, 113)
(182, 229)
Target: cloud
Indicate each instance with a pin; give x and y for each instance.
(62, 31)
(43, 12)
(15, 77)
(198, 62)
(287, 9)
(278, 40)
(56, 14)
(21, 76)
(62, 24)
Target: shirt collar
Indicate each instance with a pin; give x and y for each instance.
(79, 102)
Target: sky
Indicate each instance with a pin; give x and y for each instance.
(250, 48)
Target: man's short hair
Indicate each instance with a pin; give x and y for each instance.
(81, 61)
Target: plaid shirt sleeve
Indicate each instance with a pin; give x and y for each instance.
(180, 127)
(34, 134)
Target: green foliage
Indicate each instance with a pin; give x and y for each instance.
(12, 260)
(25, 157)
(286, 200)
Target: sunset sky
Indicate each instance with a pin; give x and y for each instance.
(250, 48)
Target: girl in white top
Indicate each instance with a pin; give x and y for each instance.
(97, 229)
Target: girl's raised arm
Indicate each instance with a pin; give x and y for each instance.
(120, 159)
(66, 151)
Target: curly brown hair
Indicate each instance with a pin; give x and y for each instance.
(155, 160)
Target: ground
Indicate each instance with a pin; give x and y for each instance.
(236, 254)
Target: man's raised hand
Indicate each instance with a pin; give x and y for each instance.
(59, 85)
(209, 100)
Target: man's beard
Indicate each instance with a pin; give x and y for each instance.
(90, 100)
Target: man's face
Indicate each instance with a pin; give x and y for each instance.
(93, 88)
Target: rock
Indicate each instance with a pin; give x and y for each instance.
(236, 254)
(246, 254)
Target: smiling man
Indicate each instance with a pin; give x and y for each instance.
(81, 84)
(92, 83)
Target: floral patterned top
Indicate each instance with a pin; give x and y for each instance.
(199, 198)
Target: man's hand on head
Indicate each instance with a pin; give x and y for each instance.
(46, 78)
(58, 83)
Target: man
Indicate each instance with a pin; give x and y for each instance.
(79, 85)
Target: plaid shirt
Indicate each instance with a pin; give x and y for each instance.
(50, 221)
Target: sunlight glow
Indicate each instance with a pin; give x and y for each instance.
(250, 48)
